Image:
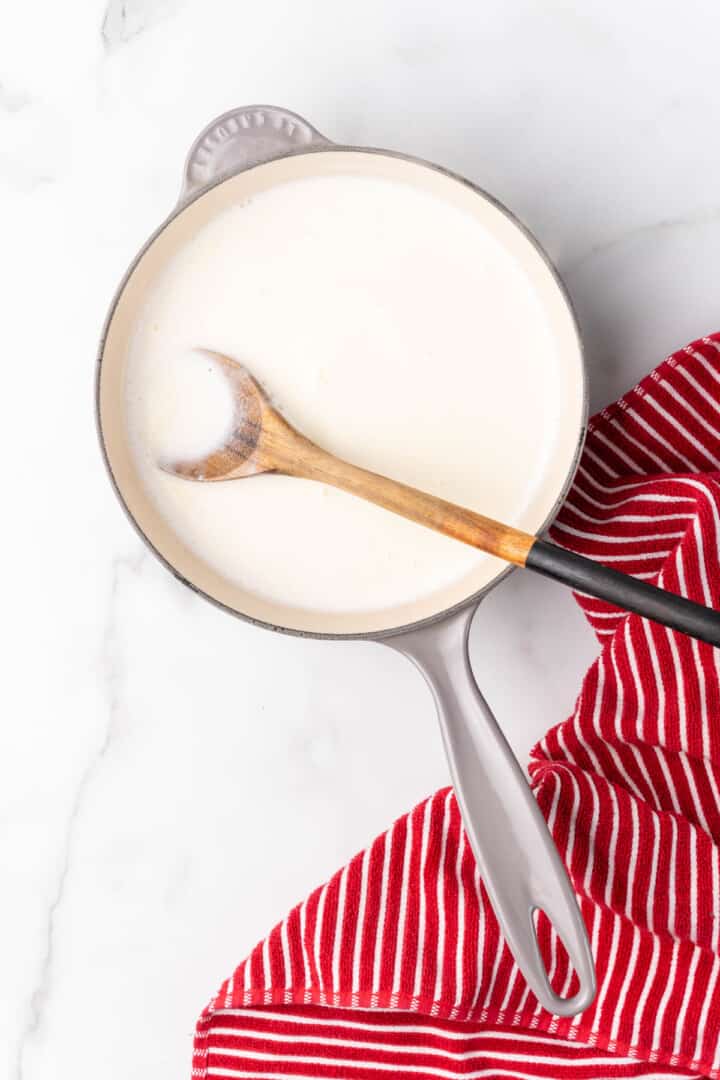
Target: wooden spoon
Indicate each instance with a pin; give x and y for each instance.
(262, 441)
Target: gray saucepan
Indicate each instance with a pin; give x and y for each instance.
(247, 150)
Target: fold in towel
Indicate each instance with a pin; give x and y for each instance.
(396, 967)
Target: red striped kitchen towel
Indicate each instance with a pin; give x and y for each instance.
(395, 967)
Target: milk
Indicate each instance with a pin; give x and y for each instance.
(390, 327)
(183, 405)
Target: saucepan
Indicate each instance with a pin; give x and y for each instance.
(248, 150)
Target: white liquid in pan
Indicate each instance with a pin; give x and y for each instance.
(188, 406)
(391, 328)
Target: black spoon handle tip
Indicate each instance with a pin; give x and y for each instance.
(625, 592)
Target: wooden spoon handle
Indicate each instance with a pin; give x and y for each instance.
(478, 531)
(515, 546)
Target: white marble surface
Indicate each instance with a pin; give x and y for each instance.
(172, 780)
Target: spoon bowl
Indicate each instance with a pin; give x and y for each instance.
(238, 456)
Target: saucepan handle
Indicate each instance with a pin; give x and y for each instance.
(516, 856)
(241, 138)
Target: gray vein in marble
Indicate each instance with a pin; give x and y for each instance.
(15, 172)
(708, 216)
(20, 177)
(113, 681)
(126, 19)
(12, 101)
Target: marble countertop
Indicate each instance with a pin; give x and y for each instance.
(173, 780)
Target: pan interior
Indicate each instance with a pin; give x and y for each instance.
(458, 371)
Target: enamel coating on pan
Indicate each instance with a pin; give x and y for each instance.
(508, 835)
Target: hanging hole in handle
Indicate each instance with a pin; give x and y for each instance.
(572, 990)
(563, 978)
